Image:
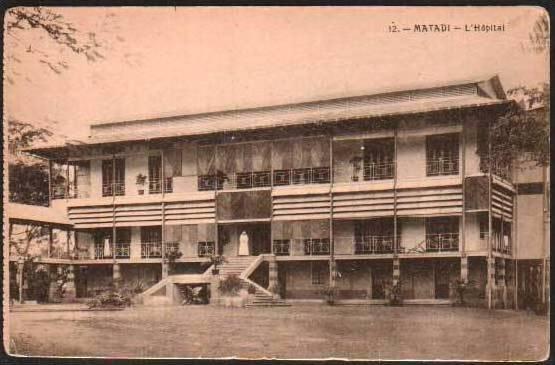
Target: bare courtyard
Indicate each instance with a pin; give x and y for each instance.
(315, 331)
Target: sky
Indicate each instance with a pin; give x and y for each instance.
(171, 61)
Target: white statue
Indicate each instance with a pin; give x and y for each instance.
(244, 244)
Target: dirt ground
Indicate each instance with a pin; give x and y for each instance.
(314, 331)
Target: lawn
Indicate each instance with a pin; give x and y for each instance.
(314, 331)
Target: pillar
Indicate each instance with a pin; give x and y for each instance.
(503, 284)
(53, 286)
(214, 289)
(273, 284)
(69, 292)
(20, 278)
(165, 268)
(116, 275)
(396, 270)
(490, 284)
(464, 269)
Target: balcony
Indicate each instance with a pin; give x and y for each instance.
(123, 251)
(442, 166)
(502, 170)
(155, 185)
(302, 176)
(316, 246)
(442, 242)
(115, 188)
(281, 247)
(366, 245)
(378, 171)
(206, 249)
(151, 250)
(497, 245)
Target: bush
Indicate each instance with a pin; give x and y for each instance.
(110, 299)
(330, 293)
(230, 285)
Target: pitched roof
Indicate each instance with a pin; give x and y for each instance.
(451, 95)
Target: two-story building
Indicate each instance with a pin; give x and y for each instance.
(363, 191)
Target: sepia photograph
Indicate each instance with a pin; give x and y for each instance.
(311, 183)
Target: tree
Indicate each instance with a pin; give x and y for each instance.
(21, 20)
(28, 175)
(524, 129)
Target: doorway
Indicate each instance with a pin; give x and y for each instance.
(259, 236)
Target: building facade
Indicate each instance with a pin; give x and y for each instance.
(357, 193)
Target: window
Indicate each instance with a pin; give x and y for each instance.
(442, 155)
(442, 234)
(281, 247)
(319, 272)
(484, 227)
(378, 159)
(113, 177)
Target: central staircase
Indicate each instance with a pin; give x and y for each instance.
(242, 267)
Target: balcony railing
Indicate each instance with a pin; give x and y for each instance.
(115, 188)
(206, 248)
(151, 250)
(155, 185)
(303, 176)
(123, 251)
(364, 245)
(378, 171)
(316, 246)
(281, 247)
(61, 192)
(442, 242)
(497, 244)
(502, 170)
(442, 166)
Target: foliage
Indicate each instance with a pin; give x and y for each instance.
(230, 285)
(395, 295)
(111, 298)
(140, 179)
(20, 21)
(217, 260)
(461, 287)
(172, 255)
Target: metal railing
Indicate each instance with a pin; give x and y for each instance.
(378, 171)
(497, 244)
(302, 176)
(155, 185)
(114, 188)
(206, 248)
(62, 192)
(442, 242)
(281, 247)
(316, 246)
(374, 244)
(442, 166)
(123, 251)
(151, 250)
(502, 170)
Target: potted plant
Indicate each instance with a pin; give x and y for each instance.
(140, 182)
(461, 287)
(216, 260)
(395, 297)
(230, 289)
(329, 294)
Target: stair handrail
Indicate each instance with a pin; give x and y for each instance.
(156, 287)
(258, 287)
(252, 266)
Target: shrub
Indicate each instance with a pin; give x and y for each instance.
(330, 294)
(230, 285)
(110, 299)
